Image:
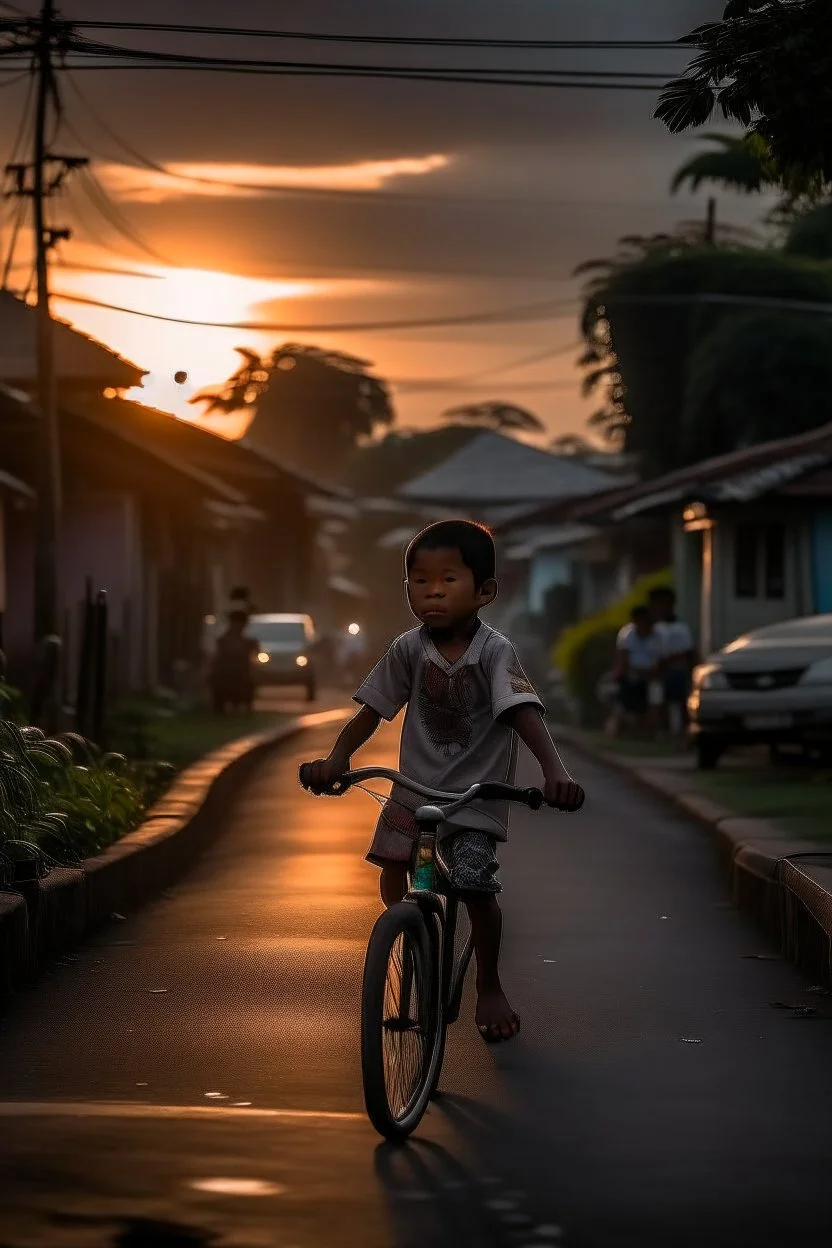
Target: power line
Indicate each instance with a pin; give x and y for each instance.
(526, 312)
(228, 62)
(283, 189)
(14, 81)
(471, 380)
(398, 40)
(104, 205)
(440, 387)
(370, 73)
(757, 301)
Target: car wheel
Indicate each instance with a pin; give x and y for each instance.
(709, 751)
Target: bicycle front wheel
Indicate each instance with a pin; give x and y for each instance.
(401, 1021)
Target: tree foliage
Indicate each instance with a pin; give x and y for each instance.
(757, 376)
(496, 414)
(739, 163)
(646, 315)
(768, 66)
(810, 233)
(312, 406)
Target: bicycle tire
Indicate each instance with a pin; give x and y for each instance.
(397, 1093)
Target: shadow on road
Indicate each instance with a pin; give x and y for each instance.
(135, 1232)
(457, 1199)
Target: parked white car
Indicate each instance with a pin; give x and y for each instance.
(772, 686)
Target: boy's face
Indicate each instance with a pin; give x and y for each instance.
(441, 589)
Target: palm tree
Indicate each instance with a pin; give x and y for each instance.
(497, 415)
(312, 406)
(766, 65)
(736, 163)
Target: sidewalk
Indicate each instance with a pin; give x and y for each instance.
(772, 831)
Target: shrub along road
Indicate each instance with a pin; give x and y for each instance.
(196, 1068)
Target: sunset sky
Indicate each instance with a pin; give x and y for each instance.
(399, 201)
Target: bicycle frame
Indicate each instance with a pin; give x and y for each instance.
(444, 906)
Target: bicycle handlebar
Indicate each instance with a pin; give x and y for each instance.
(490, 790)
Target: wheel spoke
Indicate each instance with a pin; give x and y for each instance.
(405, 1026)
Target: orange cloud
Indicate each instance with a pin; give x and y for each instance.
(184, 180)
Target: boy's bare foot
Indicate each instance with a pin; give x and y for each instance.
(495, 1018)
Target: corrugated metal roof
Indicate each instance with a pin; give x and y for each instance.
(493, 469)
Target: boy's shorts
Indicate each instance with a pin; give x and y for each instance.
(468, 856)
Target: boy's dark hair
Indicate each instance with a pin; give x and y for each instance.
(473, 541)
(639, 613)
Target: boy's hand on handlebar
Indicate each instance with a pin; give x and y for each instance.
(320, 776)
(563, 793)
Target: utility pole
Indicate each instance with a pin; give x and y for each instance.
(48, 173)
(49, 449)
(710, 223)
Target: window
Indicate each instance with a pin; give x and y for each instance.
(774, 557)
(746, 560)
(760, 561)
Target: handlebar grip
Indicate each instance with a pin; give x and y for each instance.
(493, 790)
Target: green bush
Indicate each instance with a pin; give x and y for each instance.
(584, 652)
(61, 798)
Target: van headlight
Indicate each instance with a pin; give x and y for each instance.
(262, 657)
(302, 660)
(709, 676)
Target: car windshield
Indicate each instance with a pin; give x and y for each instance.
(284, 632)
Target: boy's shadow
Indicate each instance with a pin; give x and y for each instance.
(451, 1200)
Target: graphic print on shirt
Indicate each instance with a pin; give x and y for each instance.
(444, 709)
(399, 818)
(520, 682)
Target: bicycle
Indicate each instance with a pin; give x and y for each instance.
(415, 968)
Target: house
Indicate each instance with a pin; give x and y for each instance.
(508, 484)
(144, 525)
(750, 533)
(162, 514)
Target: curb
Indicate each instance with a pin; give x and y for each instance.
(69, 904)
(791, 902)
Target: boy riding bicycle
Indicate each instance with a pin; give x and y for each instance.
(468, 701)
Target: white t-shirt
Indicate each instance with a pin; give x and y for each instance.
(452, 735)
(675, 637)
(644, 652)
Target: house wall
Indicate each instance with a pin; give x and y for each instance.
(821, 560)
(100, 541)
(18, 615)
(735, 613)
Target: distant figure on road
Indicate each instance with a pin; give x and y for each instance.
(467, 699)
(232, 668)
(678, 656)
(637, 671)
(352, 654)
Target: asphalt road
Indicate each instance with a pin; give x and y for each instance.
(191, 1078)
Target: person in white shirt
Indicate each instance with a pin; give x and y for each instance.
(638, 658)
(678, 655)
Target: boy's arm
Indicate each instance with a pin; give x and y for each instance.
(351, 738)
(558, 786)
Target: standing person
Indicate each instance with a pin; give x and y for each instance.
(678, 656)
(468, 702)
(638, 657)
(232, 668)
